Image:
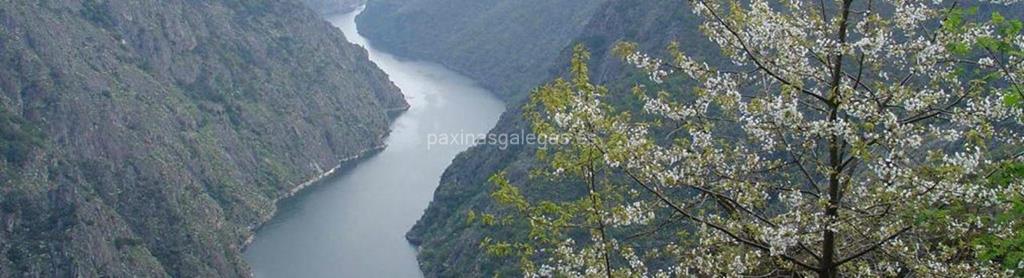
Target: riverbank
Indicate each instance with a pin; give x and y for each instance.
(343, 163)
(354, 225)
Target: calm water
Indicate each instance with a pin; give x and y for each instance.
(353, 225)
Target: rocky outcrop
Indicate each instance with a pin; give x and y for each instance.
(148, 138)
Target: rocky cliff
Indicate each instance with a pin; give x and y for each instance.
(149, 138)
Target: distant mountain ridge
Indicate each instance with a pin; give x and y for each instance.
(334, 6)
(149, 138)
(509, 46)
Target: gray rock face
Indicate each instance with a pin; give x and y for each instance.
(148, 138)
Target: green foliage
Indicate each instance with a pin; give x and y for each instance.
(553, 100)
(579, 217)
(115, 148)
(442, 233)
(1013, 100)
(954, 23)
(960, 20)
(18, 138)
(1006, 249)
(999, 47)
(123, 242)
(1003, 248)
(96, 11)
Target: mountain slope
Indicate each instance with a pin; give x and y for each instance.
(509, 46)
(333, 6)
(148, 138)
(449, 245)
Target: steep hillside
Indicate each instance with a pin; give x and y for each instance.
(148, 138)
(333, 6)
(509, 46)
(448, 244)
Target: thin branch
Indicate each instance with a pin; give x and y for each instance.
(753, 57)
(872, 247)
(717, 227)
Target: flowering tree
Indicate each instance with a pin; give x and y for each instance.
(845, 137)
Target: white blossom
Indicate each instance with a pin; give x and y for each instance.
(765, 159)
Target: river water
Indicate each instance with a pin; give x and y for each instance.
(353, 224)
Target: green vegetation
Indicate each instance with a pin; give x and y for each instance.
(1007, 250)
(95, 11)
(466, 211)
(148, 138)
(749, 204)
(18, 138)
(450, 246)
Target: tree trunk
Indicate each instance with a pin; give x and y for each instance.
(828, 266)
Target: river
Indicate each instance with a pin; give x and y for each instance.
(353, 224)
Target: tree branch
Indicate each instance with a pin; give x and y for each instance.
(729, 233)
(872, 247)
